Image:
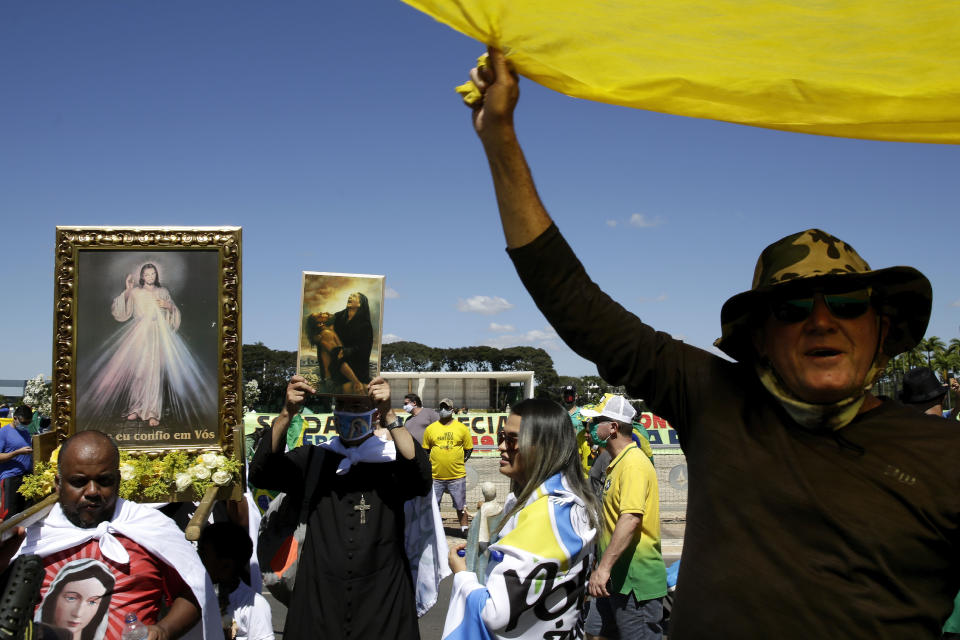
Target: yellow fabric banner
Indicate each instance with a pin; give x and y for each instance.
(877, 69)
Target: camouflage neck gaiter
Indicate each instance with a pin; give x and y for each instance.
(816, 417)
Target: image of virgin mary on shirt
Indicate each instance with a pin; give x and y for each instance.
(78, 599)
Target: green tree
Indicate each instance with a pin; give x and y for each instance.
(271, 369)
(592, 388)
(408, 356)
(913, 358)
(931, 346)
(413, 356)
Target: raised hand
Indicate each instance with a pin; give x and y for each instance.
(499, 91)
(297, 391)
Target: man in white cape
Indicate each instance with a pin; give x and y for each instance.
(156, 571)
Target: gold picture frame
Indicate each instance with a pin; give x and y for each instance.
(341, 331)
(147, 336)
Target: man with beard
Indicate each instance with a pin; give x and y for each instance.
(155, 569)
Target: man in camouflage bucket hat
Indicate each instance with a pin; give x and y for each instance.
(822, 380)
(809, 513)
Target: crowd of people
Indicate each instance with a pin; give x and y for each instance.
(815, 508)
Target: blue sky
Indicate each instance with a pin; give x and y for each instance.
(331, 133)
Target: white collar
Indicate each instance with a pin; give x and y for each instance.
(373, 449)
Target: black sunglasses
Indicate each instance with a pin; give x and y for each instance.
(845, 305)
(510, 438)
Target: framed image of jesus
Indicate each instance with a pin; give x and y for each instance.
(147, 335)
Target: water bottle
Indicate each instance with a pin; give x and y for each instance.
(133, 629)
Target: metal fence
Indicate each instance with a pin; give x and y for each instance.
(670, 464)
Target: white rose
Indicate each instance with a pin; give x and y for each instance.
(200, 472)
(221, 478)
(183, 481)
(209, 460)
(221, 460)
(127, 471)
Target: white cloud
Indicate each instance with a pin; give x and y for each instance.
(390, 293)
(537, 338)
(611, 223)
(486, 305)
(390, 337)
(500, 328)
(643, 221)
(540, 336)
(660, 298)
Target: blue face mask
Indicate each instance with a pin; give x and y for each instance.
(354, 426)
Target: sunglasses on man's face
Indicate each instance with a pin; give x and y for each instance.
(845, 305)
(510, 438)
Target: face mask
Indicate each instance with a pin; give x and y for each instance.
(595, 437)
(445, 413)
(354, 426)
(408, 407)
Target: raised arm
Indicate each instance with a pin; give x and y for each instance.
(379, 391)
(626, 351)
(297, 390)
(521, 212)
(270, 468)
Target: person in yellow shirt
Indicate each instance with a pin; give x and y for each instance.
(450, 445)
(630, 579)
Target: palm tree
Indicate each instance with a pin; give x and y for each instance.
(954, 347)
(912, 358)
(931, 346)
(942, 363)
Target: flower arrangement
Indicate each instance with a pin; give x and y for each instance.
(37, 394)
(150, 479)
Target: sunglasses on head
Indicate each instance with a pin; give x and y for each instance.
(843, 305)
(510, 438)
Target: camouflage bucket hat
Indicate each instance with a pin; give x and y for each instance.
(816, 258)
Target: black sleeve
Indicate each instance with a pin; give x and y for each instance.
(414, 476)
(278, 471)
(652, 365)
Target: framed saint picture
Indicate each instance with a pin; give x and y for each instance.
(147, 335)
(341, 325)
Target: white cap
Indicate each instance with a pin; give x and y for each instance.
(613, 407)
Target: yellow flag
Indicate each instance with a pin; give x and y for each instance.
(878, 69)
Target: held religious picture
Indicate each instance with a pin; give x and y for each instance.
(147, 345)
(341, 320)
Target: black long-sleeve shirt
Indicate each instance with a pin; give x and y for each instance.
(790, 534)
